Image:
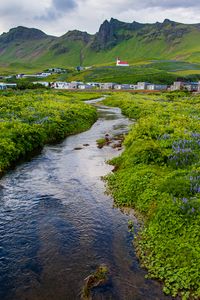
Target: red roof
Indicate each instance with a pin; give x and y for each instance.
(123, 62)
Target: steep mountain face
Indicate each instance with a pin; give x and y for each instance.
(76, 35)
(23, 46)
(113, 32)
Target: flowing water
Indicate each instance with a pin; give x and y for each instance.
(57, 225)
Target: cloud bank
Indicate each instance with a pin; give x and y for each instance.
(58, 16)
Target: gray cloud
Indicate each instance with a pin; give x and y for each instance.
(169, 4)
(57, 9)
(58, 16)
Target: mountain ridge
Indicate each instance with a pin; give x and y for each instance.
(134, 41)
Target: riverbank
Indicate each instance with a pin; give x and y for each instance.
(58, 225)
(159, 175)
(31, 119)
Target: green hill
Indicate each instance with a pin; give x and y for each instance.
(23, 49)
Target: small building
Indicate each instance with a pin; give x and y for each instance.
(177, 86)
(157, 87)
(107, 86)
(60, 85)
(94, 84)
(84, 86)
(79, 68)
(126, 86)
(133, 86)
(19, 76)
(142, 85)
(43, 74)
(57, 70)
(191, 87)
(3, 86)
(117, 87)
(120, 63)
(11, 85)
(74, 85)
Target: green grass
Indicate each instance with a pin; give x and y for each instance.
(124, 75)
(31, 119)
(143, 47)
(159, 175)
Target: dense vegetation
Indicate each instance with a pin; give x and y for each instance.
(159, 175)
(28, 120)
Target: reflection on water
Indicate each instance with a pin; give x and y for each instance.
(57, 224)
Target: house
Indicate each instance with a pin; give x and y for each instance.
(3, 86)
(79, 68)
(11, 85)
(57, 70)
(117, 87)
(133, 86)
(191, 87)
(156, 87)
(43, 74)
(107, 86)
(19, 76)
(177, 85)
(94, 84)
(142, 85)
(84, 86)
(126, 86)
(120, 63)
(61, 85)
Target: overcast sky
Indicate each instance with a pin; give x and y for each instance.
(56, 17)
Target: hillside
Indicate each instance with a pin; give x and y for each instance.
(31, 49)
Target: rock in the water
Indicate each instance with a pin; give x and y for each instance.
(99, 277)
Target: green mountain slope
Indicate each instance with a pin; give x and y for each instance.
(26, 48)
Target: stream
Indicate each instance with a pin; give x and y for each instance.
(57, 224)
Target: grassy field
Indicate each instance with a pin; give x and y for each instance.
(132, 74)
(155, 71)
(165, 72)
(31, 119)
(186, 73)
(158, 175)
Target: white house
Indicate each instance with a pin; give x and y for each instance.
(11, 85)
(142, 85)
(120, 63)
(3, 86)
(61, 85)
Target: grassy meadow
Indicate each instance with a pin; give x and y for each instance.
(158, 175)
(159, 72)
(30, 119)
